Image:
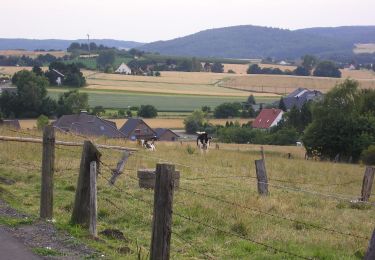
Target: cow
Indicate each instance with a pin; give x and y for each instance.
(203, 141)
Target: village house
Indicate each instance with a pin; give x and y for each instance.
(164, 134)
(124, 69)
(301, 96)
(88, 125)
(267, 118)
(136, 128)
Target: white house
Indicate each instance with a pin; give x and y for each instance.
(124, 69)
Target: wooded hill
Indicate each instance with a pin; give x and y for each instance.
(248, 41)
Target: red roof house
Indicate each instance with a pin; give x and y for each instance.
(268, 118)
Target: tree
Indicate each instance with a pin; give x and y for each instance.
(194, 122)
(98, 110)
(106, 58)
(41, 122)
(254, 69)
(196, 65)
(147, 111)
(251, 100)
(72, 102)
(301, 71)
(227, 110)
(339, 126)
(368, 155)
(327, 69)
(37, 70)
(309, 62)
(206, 109)
(282, 105)
(217, 67)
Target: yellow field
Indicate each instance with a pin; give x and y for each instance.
(364, 48)
(173, 123)
(32, 54)
(286, 84)
(242, 68)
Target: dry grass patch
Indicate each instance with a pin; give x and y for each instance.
(32, 54)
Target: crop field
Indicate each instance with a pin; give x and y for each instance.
(286, 84)
(217, 212)
(364, 48)
(242, 68)
(32, 54)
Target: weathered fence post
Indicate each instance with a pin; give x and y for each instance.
(370, 255)
(93, 200)
(162, 219)
(261, 177)
(368, 179)
(120, 167)
(81, 210)
(48, 164)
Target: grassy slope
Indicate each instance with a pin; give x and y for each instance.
(22, 163)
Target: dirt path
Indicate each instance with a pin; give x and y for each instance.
(38, 236)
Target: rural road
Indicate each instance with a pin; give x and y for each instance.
(11, 249)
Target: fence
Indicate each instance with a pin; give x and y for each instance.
(85, 210)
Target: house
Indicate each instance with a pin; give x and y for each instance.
(301, 96)
(14, 123)
(268, 118)
(124, 69)
(6, 85)
(90, 125)
(136, 128)
(164, 134)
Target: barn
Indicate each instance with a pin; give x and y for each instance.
(136, 128)
(124, 69)
(164, 134)
(268, 118)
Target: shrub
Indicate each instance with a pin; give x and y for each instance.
(147, 111)
(42, 121)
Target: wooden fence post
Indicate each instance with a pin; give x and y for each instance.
(370, 255)
(48, 164)
(120, 167)
(262, 177)
(368, 179)
(162, 218)
(81, 210)
(93, 200)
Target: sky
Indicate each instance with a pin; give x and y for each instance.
(150, 20)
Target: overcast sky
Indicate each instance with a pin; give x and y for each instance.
(150, 20)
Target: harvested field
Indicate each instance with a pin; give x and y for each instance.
(364, 48)
(242, 68)
(32, 54)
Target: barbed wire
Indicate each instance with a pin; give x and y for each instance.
(274, 215)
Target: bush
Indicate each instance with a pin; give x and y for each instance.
(157, 74)
(368, 155)
(227, 110)
(42, 121)
(231, 72)
(147, 111)
(194, 122)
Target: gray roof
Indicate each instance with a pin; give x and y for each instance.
(88, 125)
(301, 96)
(131, 124)
(160, 131)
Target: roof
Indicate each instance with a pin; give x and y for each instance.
(88, 125)
(301, 96)
(14, 123)
(266, 118)
(131, 124)
(123, 67)
(160, 131)
(58, 72)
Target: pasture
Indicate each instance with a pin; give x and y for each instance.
(217, 213)
(32, 54)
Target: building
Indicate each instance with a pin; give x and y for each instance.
(10, 123)
(136, 128)
(59, 77)
(268, 118)
(88, 125)
(124, 69)
(6, 85)
(164, 134)
(299, 97)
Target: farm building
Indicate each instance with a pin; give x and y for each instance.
(136, 128)
(90, 125)
(301, 96)
(124, 69)
(10, 123)
(164, 134)
(268, 118)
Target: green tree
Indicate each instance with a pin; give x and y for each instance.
(251, 100)
(282, 105)
(339, 126)
(147, 111)
(301, 71)
(368, 155)
(254, 69)
(195, 122)
(217, 67)
(98, 110)
(42, 121)
(72, 102)
(196, 65)
(227, 110)
(327, 69)
(309, 62)
(106, 58)
(38, 71)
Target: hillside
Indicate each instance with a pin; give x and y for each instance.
(259, 42)
(32, 44)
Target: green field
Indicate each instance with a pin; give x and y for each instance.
(163, 102)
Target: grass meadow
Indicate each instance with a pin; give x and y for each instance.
(217, 211)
